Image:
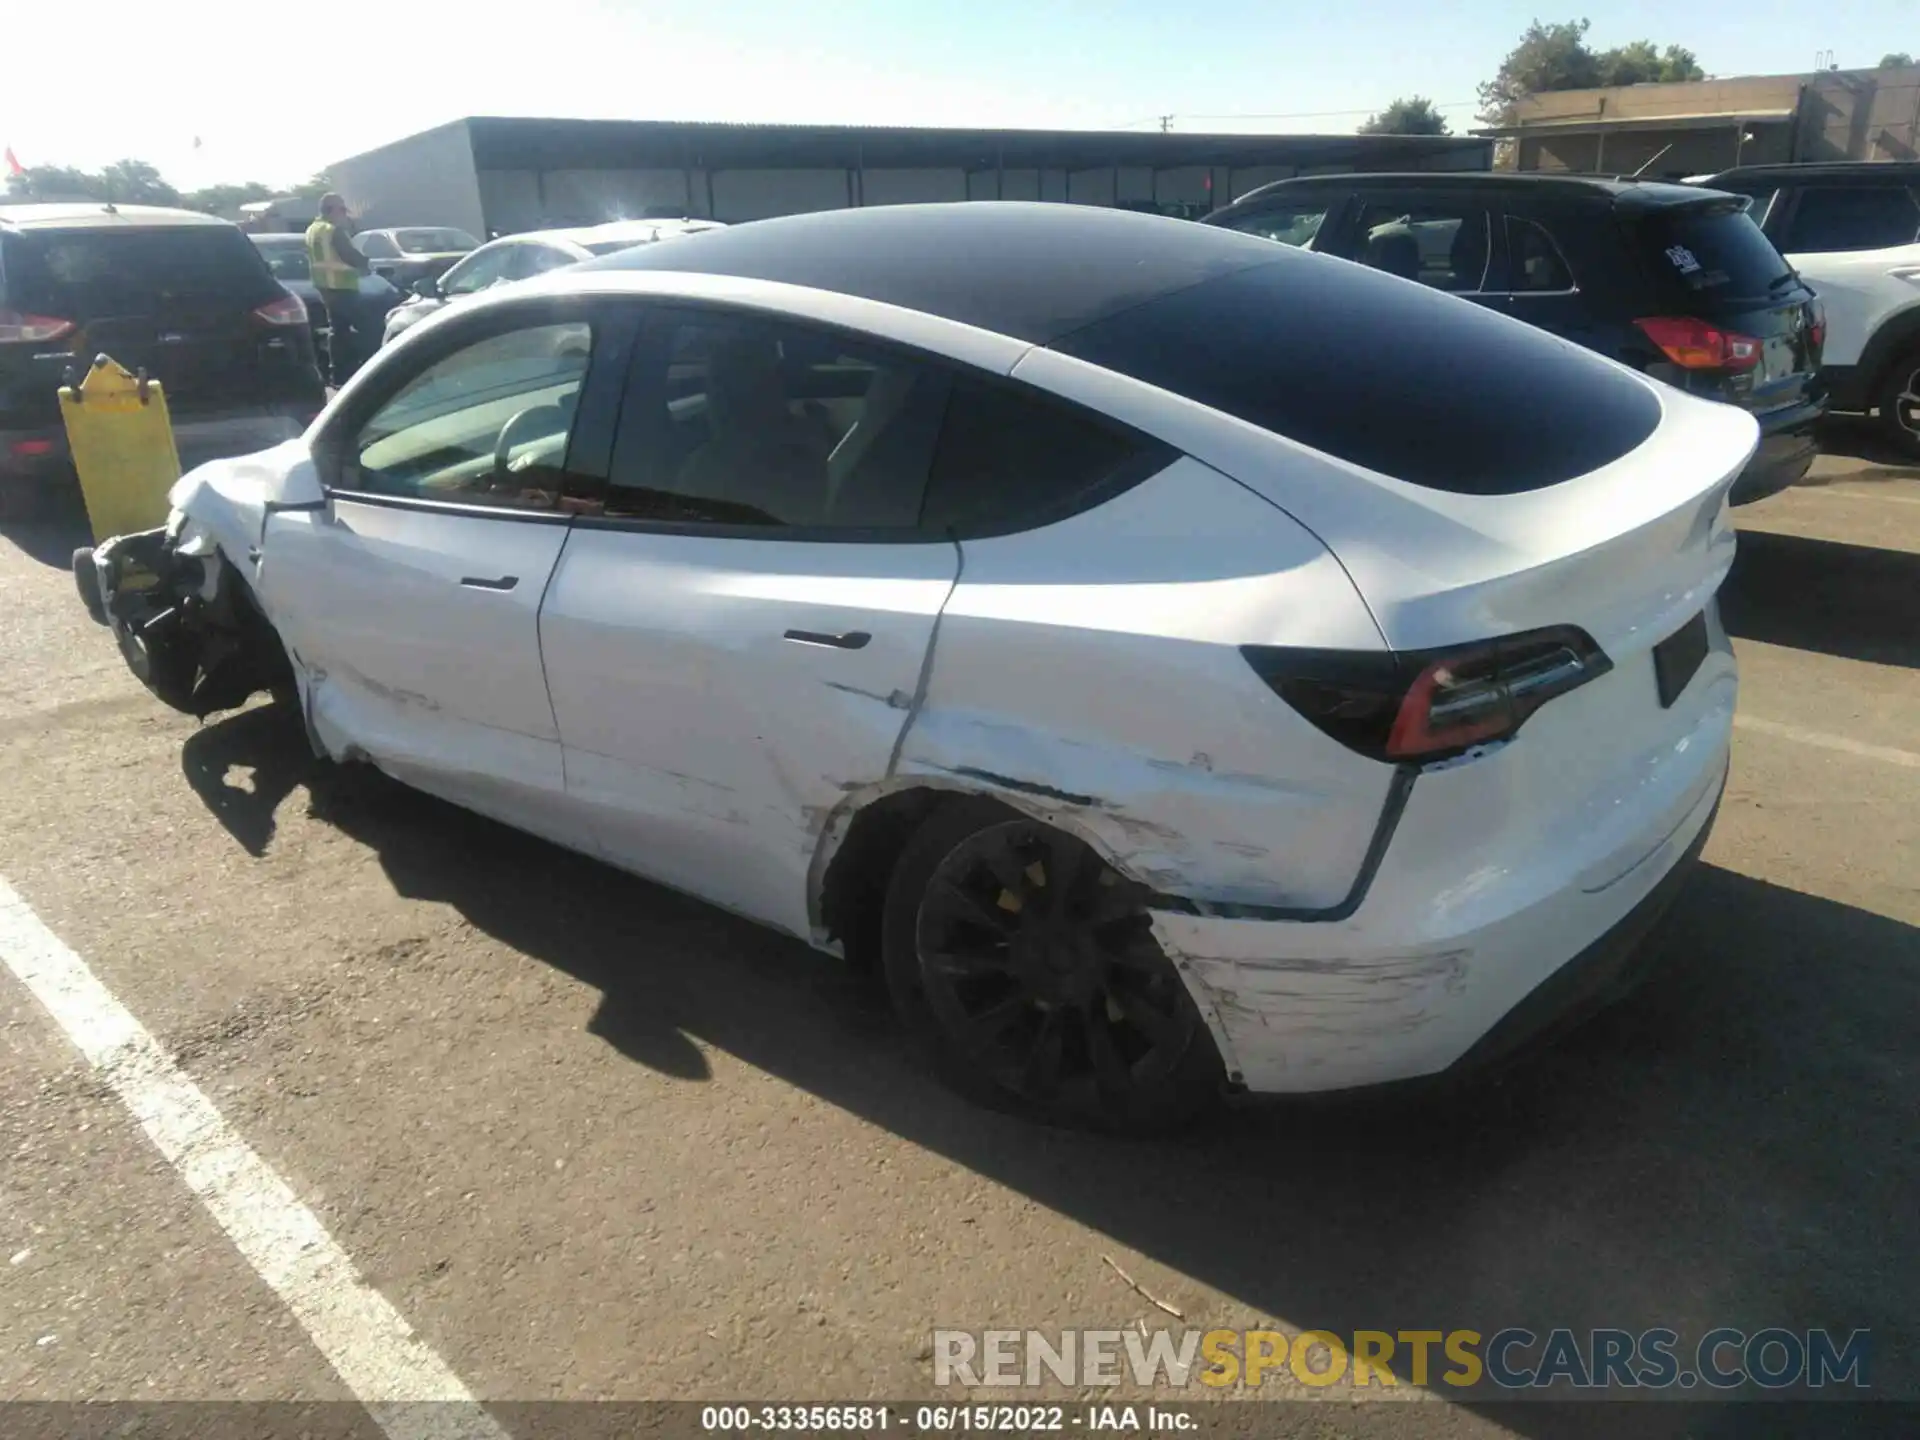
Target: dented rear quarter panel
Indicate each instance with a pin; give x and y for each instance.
(1091, 669)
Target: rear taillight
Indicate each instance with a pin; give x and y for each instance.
(1817, 325)
(287, 310)
(1427, 705)
(1695, 345)
(19, 329)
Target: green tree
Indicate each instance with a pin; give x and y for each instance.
(1557, 57)
(226, 200)
(1893, 60)
(1640, 62)
(129, 182)
(55, 182)
(1548, 57)
(135, 182)
(1409, 115)
(314, 186)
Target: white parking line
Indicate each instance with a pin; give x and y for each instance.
(1829, 742)
(387, 1367)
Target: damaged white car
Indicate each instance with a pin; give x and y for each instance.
(1181, 662)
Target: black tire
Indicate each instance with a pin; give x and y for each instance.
(1897, 401)
(168, 669)
(1056, 1004)
(87, 581)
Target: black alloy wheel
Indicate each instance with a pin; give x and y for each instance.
(1030, 967)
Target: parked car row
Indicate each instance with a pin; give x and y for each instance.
(180, 295)
(1803, 297)
(1676, 282)
(1853, 231)
(523, 256)
(287, 257)
(229, 322)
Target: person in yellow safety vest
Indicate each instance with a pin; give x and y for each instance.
(335, 267)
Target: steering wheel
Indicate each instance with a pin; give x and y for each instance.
(528, 424)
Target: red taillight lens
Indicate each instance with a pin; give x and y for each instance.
(1817, 326)
(1695, 345)
(287, 310)
(1431, 704)
(31, 449)
(1486, 693)
(19, 329)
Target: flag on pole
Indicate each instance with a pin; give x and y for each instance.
(14, 167)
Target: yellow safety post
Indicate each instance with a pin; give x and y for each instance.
(122, 443)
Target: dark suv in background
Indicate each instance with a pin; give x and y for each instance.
(1672, 280)
(184, 296)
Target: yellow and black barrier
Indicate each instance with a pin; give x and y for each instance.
(121, 439)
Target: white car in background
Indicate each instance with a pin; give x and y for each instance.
(1032, 600)
(520, 257)
(1852, 230)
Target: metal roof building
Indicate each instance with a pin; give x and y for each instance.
(498, 175)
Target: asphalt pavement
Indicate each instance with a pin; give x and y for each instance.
(592, 1140)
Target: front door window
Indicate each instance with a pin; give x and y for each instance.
(488, 424)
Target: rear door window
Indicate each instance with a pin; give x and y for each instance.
(434, 242)
(1534, 262)
(740, 420)
(1294, 224)
(1439, 243)
(84, 274)
(1864, 217)
(536, 259)
(1710, 254)
(288, 261)
(478, 270)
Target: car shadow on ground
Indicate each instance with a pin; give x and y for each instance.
(1858, 438)
(1735, 1144)
(51, 536)
(1859, 602)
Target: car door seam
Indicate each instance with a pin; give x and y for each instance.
(540, 647)
(925, 678)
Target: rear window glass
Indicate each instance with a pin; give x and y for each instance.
(1876, 217)
(434, 242)
(81, 274)
(1401, 379)
(287, 259)
(1711, 255)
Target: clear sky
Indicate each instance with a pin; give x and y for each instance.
(254, 84)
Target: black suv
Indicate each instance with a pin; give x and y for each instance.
(1673, 280)
(183, 296)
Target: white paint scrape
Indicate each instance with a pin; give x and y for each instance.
(387, 1367)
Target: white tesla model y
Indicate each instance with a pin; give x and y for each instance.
(1183, 663)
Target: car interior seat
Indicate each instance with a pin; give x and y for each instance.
(1468, 258)
(1396, 252)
